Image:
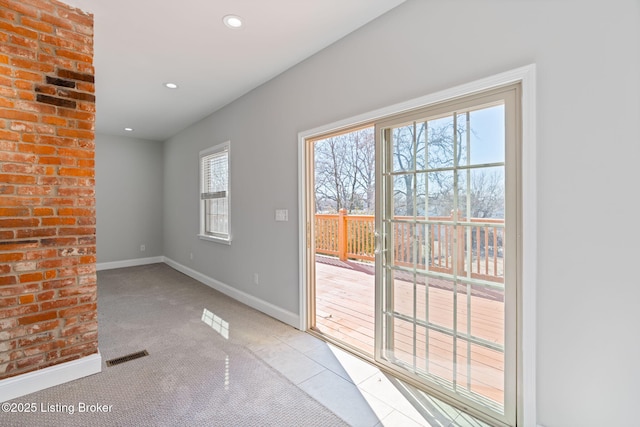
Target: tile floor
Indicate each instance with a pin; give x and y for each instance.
(353, 389)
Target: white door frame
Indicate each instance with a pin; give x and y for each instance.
(527, 316)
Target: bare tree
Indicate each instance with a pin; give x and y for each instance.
(345, 172)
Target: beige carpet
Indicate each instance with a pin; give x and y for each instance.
(196, 374)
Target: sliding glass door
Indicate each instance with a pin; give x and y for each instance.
(447, 270)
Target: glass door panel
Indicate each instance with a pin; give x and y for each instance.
(446, 271)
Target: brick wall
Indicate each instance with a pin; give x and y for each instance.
(47, 205)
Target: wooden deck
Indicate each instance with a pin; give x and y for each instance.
(345, 311)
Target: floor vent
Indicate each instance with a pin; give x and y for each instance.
(127, 358)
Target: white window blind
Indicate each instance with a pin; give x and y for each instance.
(214, 192)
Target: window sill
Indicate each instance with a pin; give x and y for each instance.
(215, 239)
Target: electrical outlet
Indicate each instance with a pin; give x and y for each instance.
(256, 279)
(143, 248)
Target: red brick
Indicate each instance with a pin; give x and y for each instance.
(88, 259)
(18, 51)
(87, 221)
(58, 241)
(56, 263)
(30, 362)
(58, 201)
(78, 192)
(84, 349)
(24, 42)
(28, 96)
(31, 76)
(35, 232)
(17, 245)
(54, 120)
(59, 283)
(14, 211)
(56, 22)
(8, 15)
(18, 290)
(86, 87)
(76, 231)
(82, 39)
(7, 280)
(23, 8)
(18, 115)
(86, 201)
(43, 348)
(7, 235)
(45, 296)
(20, 201)
(26, 299)
(8, 302)
(48, 222)
(49, 57)
(23, 169)
(6, 103)
(40, 26)
(18, 157)
(87, 240)
(59, 303)
(74, 133)
(7, 145)
(34, 191)
(7, 189)
(9, 28)
(19, 311)
(49, 160)
(19, 222)
(23, 84)
(36, 318)
(42, 211)
(31, 277)
(74, 152)
(35, 339)
(17, 179)
(56, 140)
(80, 115)
(41, 254)
(75, 172)
(46, 6)
(9, 135)
(76, 212)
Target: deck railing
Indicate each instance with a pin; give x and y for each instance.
(425, 246)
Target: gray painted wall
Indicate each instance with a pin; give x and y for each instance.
(128, 198)
(587, 56)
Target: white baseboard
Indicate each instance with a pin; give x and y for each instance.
(128, 263)
(14, 387)
(253, 302)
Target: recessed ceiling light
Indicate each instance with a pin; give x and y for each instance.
(129, 129)
(232, 21)
(171, 85)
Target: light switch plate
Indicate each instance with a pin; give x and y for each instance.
(282, 215)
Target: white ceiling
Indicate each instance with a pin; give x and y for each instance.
(141, 44)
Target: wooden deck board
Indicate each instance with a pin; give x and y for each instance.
(345, 307)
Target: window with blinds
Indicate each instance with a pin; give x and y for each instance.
(214, 193)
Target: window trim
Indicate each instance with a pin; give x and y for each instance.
(219, 148)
